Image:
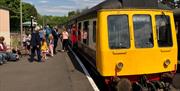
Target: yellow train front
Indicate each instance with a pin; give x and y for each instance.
(135, 48)
(136, 44)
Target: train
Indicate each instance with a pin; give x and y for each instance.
(132, 44)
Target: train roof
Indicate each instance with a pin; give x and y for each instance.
(176, 13)
(120, 4)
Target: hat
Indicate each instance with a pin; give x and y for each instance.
(37, 28)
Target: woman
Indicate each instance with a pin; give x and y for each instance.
(65, 36)
(51, 44)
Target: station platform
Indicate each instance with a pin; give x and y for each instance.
(58, 73)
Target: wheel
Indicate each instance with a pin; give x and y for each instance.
(124, 85)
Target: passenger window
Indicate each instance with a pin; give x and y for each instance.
(118, 31)
(163, 29)
(86, 32)
(143, 31)
(79, 31)
(94, 31)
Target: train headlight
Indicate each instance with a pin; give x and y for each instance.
(167, 63)
(119, 66)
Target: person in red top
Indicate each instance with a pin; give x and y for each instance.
(5, 54)
(3, 47)
(73, 35)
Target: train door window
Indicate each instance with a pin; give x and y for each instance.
(94, 31)
(163, 29)
(143, 31)
(79, 31)
(86, 32)
(118, 31)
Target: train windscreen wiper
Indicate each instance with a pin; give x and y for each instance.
(165, 17)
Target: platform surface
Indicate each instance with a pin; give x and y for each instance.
(56, 74)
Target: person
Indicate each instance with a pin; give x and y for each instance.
(5, 54)
(41, 34)
(28, 40)
(51, 44)
(35, 45)
(55, 34)
(73, 36)
(44, 49)
(3, 49)
(47, 31)
(85, 36)
(65, 36)
(24, 41)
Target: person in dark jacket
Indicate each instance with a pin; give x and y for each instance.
(35, 45)
(55, 36)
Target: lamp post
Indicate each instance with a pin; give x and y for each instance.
(21, 26)
(32, 24)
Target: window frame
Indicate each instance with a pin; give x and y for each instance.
(170, 31)
(151, 21)
(129, 31)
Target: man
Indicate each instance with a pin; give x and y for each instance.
(56, 36)
(35, 45)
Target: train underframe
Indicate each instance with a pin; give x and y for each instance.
(153, 82)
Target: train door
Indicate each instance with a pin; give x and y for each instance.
(178, 37)
(79, 31)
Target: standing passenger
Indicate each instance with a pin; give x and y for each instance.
(56, 36)
(51, 44)
(73, 35)
(35, 45)
(65, 36)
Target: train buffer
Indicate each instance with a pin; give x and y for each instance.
(58, 73)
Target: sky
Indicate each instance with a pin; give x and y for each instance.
(61, 7)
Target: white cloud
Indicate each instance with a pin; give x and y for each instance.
(62, 7)
(43, 1)
(57, 10)
(86, 3)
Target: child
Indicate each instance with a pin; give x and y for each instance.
(44, 49)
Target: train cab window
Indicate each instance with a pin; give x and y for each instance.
(143, 31)
(163, 29)
(94, 31)
(86, 32)
(118, 32)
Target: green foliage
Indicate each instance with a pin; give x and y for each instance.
(28, 11)
(14, 6)
(52, 20)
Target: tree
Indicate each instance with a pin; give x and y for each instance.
(28, 11)
(52, 20)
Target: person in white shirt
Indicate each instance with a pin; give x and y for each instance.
(65, 37)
